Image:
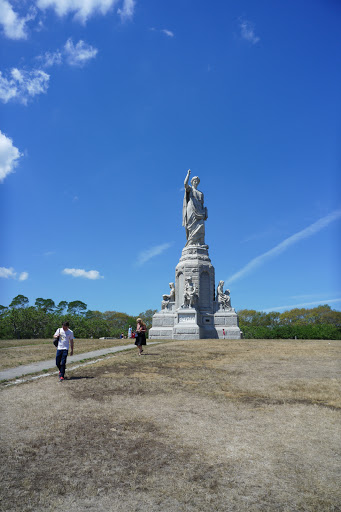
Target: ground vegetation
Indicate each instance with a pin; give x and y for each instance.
(190, 426)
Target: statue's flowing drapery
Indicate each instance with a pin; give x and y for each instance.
(194, 215)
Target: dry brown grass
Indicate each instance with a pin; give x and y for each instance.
(191, 426)
(19, 352)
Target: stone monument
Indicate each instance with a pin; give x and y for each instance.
(194, 309)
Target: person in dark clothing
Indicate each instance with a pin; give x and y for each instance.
(140, 336)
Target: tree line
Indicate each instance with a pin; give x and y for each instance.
(21, 321)
(321, 323)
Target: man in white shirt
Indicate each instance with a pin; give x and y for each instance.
(65, 339)
(129, 331)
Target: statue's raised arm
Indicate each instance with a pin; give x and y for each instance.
(187, 178)
(194, 213)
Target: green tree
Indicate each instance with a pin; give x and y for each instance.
(46, 305)
(20, 301)
(62, 307)
(77, 307)
(147, 317)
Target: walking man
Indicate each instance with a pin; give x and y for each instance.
(65, 339)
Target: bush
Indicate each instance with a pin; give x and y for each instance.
(301, 332)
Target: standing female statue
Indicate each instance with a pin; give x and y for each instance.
(194, 213)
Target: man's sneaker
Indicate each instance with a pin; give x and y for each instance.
(61, 379)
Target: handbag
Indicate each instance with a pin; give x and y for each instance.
(56, 340)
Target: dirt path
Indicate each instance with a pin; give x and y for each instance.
(19, 371)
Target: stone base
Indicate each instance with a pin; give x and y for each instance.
(186, 324)
(190, 324)
(205, 318)
(163, 324)
(227, 320)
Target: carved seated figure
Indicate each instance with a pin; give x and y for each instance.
(223, 298)
(190, 294)
(168, 298)
(165, 301)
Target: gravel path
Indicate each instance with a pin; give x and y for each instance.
(19, 371)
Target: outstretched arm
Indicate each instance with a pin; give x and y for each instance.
(187, 178)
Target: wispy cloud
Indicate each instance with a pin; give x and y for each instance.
(127, 10)
(79, 54)
(306, 296)
(79, 272)
(302, 305)
(247, 32)
(9, 156)
(9, 273)
(258, 236)
(23, 276)
(168, 33)
(21, 85)
(73, 54)
(283, 246)
(13, 25)
(145, 256)
(165, 31)
(83, 9)
(49, 59)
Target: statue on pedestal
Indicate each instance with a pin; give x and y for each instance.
(195, 307)
(190, 294)
(168, 298)
(223, 297)
(194, 213)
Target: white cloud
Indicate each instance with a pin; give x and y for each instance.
(23, 276)
(168, 33)
(9, 155)
(283, 246)
(78, 55)
(78, 272)
(145, 256)
(247, 32)
(13, 25)
(51, 59)
(21, 85)
(303, 305)
(84, 9)
(75, 55)
(7, 272)
(127, 10)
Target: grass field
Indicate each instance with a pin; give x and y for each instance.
(19, 352)
(189, 426)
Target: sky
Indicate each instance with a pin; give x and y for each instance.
(105, 105)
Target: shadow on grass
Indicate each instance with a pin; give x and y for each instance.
(151, 355)
(79, 378)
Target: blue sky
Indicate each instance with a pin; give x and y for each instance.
(105, 105)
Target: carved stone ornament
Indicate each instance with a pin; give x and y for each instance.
(223, 297)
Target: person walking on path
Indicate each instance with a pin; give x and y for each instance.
(140, 336)
(130, 332)
(65, 340)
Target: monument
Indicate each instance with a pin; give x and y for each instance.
(194, 308)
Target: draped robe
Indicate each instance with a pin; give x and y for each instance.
(194, 214)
